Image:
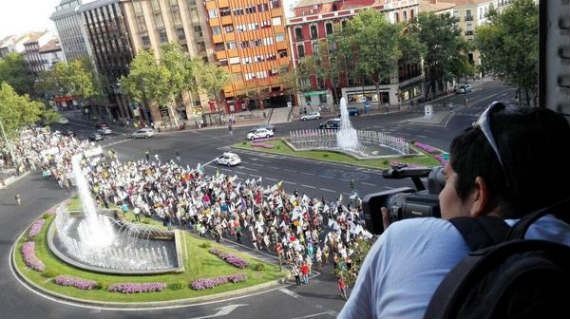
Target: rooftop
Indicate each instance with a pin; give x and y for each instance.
(52, 45)
(430, 6)
(34, 36)
(469, 2)
(307, 3)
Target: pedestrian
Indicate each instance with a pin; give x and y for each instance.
(297, 275)
(178, 158)
(18, 199)
(305, 273)
(341, 284)
(147, 155)
(230, 129)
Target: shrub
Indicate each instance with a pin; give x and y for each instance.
(50, 274)
(206, 245)
(278, 147)
(259, 267)
(175, 286)
(385, 162)
(243, 143)
(325, 155)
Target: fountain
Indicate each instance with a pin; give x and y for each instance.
(97, 241)
(346, 137)
(359, 144)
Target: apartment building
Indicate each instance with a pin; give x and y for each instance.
(107, 38)
(315, 20)
(68, 24)
(32, 47)
(437, 7)
(50, 54)
(470, 14)
(249, 38)
(152, 23)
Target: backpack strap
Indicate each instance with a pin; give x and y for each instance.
(559, 210)
(481, 232)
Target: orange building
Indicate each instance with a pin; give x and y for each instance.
(250, 38)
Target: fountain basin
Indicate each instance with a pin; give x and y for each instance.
(133, 252)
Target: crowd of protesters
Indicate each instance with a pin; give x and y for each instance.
(303, 232)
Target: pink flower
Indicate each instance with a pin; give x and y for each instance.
(29, 253)
(36, 227)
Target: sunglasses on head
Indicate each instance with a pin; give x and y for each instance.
(484, 124)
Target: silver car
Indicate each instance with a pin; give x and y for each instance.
(143, 133)
(311, 116)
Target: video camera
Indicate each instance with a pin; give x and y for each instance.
(405, 202)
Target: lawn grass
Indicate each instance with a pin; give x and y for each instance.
(199, 264)
(282, 148)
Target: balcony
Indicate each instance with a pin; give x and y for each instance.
(468, 18)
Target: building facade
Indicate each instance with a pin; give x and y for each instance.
(437, 7)
(32, 50)
(152, 23)
(315, 20)
(108, 40)
(50, 54)
(249, 38)
(68, 24)
(470, 14)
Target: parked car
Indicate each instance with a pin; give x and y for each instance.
(463, 89)
(352, 111)
(63, 120)
(101, 125)
(259, 133)
(332, 124)
(268, 127)
(69, 133)
(95, 137)
(105, 131)
(229, 159)
(311, 116)
(143, 133)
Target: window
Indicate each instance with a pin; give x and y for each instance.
(329, 28)
(396, 17)
(141, 24)
(261, 74)
(301, 51)
(163, 37)
(275, 4)
(255, 43)
(213, 13)
(158, 21)
(216, 30)
(229, 28)
(343, 23)
(405, 15)
(314, 33)
(198, 31)
(223, 62)
(194, 15)
(412, 14)
(155, 6)
(180, 33)
(201, 47)
(224, 12)
(268, 41)
(315, 46)
(468, 16)
(241, 28)
(138, 8)
(262, 7)
(244, 44)
(271, 57)
(468, 32)
(258, 58)
(250, 9)
(273, 72)
(246, 60)
(238, 11)
(266, 24)
(253, 26)
(298, 34)
(280, 37)
(249, 76)
(282, 53)
(191, 3)
(276, 21)
(231, 45)
(219, 47)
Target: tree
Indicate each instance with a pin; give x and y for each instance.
(509, 46)
(14, 71)
(76, 79)
(17, 110)
(445, 51)
(147, 83)
(373, 43)
(212, 79)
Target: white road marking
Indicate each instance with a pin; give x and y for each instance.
(222, 311)
(290, 293)
(328, 190)
(308, 186)
(330, 313)
(369, 184)
(311, 174)
(247, 168)
(271, 179)
(288, 182)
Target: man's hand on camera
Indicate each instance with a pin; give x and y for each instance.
(385, 217)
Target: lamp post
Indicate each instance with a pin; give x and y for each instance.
(7, 143)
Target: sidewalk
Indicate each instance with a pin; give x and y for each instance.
(9, 177)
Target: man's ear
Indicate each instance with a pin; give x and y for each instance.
(480, 198)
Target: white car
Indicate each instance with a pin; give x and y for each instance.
(311, 116)
(259, 133)
(228, 159)
(143, 133)
(63, 120)
(105, 131)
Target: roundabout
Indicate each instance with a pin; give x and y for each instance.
(211, 271)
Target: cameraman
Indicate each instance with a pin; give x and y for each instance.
(510, 163)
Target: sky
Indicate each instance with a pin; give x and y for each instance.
(21, 16)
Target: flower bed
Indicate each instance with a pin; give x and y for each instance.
(441, 159)
(202, 284)
(263, 145)
(82, 284)
(230, 259)
(426, 148)
(30, 258)
(36, 227)
(135, 288)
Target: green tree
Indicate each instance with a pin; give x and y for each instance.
(212, 79)
(509, 47)
(76, 79)
(17, 110)
(147, 83)
(444, 51)
(373, 43)
(14, 71)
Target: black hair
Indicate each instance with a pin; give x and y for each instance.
(532, 143)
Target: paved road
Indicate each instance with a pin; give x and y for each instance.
(318, 300)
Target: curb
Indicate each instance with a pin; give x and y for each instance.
(149, 305)
(11, 180)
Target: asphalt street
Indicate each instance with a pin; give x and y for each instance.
(317, 179)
